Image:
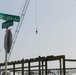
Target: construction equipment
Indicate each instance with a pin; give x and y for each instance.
(19, 25)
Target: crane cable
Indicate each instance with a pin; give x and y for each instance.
(19, 26)
(36, 15)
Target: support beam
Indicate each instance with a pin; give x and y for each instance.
(22, 66)
(29, 67)
(0, 70)
(60, 67)
(64, 65)
(45, 66)
(42, 68)
(39, 69)
(13, 68)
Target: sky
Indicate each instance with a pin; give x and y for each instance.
(56, 25)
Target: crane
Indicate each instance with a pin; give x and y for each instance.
(19, 25)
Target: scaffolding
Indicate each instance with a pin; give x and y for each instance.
(36, 66)
(40, 66)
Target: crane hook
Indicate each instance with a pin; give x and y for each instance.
(36, 31)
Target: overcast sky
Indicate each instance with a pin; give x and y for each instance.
(56, 24)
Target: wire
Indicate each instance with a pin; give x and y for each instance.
(36, 11)
(36, 14)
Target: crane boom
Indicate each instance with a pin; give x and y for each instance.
(19, 25)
